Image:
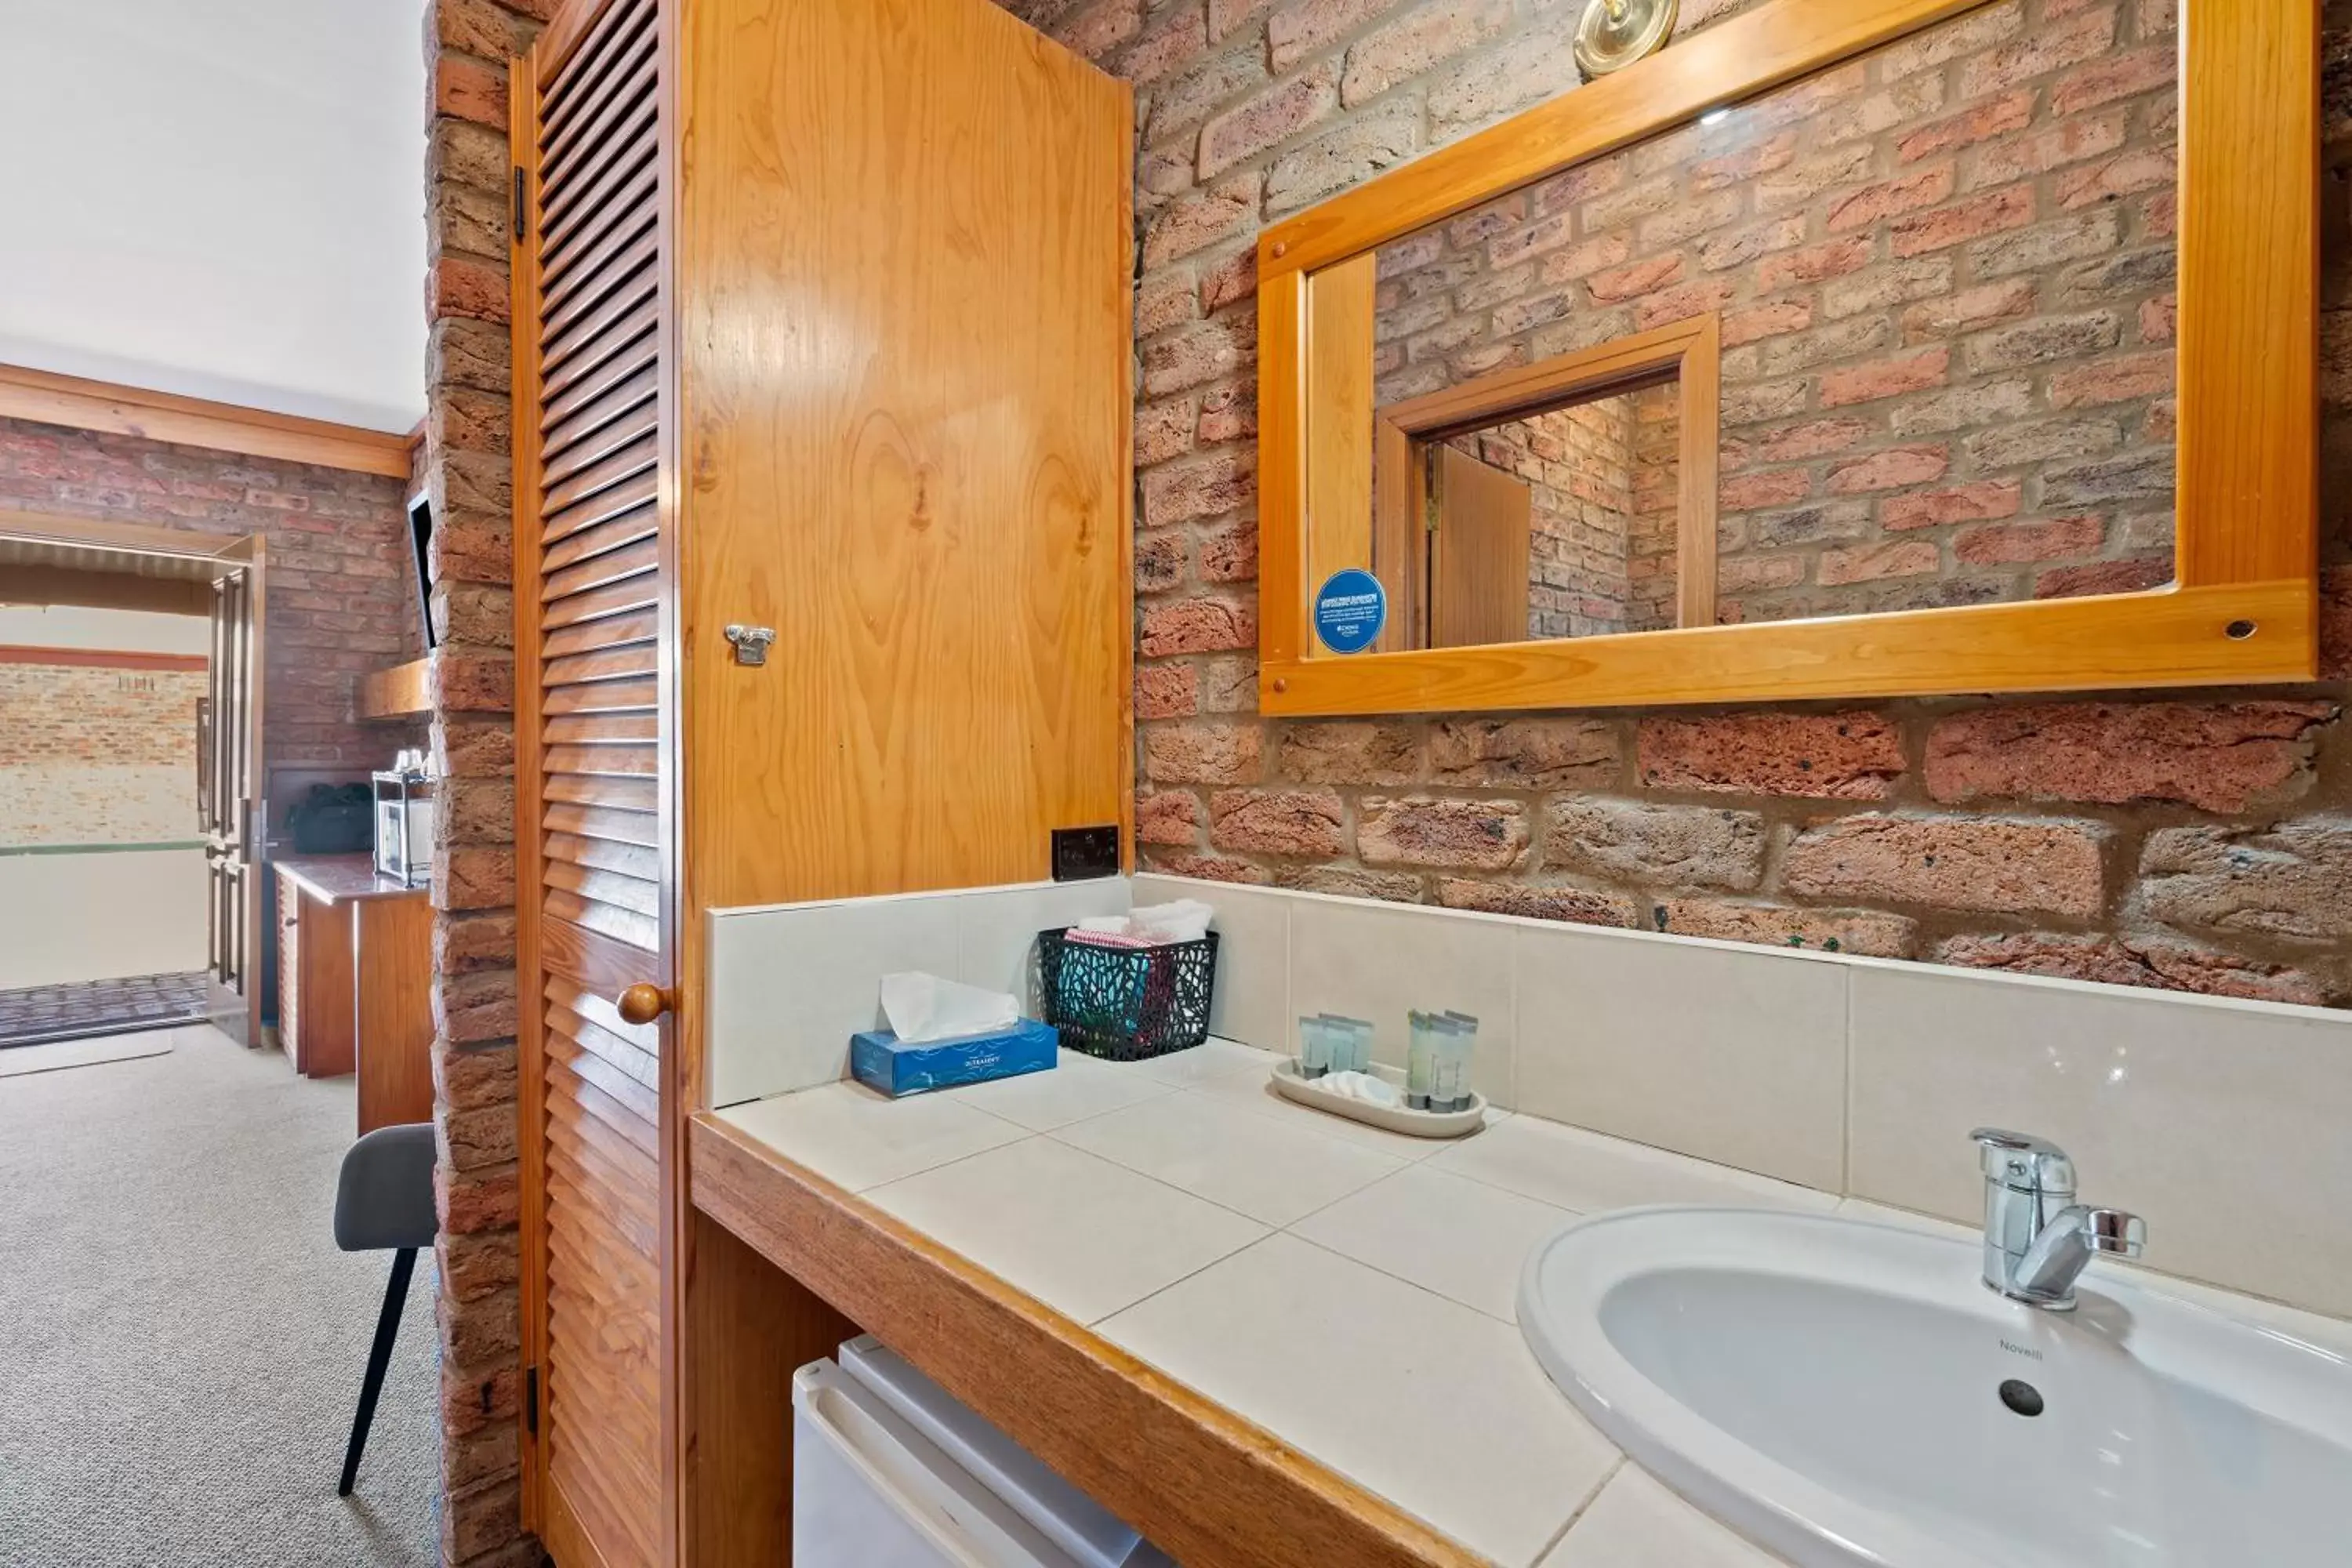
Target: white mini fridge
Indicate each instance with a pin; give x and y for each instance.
(890, 1471)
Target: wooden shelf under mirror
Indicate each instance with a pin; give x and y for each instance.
(2138, 390)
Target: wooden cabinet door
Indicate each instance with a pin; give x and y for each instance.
(593, 775)
(1478, 557)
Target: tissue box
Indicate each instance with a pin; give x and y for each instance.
(879, 1059)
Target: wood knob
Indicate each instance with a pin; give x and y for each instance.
(642, 1004)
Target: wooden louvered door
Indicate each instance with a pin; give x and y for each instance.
(594, 726)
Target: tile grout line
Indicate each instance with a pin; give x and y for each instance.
(1583, 1506)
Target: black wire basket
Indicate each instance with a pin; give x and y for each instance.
(1126, 1003)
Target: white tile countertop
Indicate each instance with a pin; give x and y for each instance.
(1350, 1290)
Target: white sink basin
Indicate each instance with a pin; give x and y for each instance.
(1835, 1391)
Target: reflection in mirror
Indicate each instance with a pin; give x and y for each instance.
(1553, 524)
(1944, 275)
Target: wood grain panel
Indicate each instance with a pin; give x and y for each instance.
(928, 497)
(592, 398)
(80, 405)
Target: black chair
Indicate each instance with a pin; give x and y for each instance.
(383, 1200)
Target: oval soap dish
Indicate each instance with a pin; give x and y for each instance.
(1401, 1118)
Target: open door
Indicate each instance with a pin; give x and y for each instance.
(1479, 555)
(229, 807)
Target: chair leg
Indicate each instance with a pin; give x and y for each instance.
(387, 1329)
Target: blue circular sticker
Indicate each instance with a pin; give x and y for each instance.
(1349, 610)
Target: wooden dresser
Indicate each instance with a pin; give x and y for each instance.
(354, 983)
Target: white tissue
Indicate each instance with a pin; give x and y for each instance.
(1370, 1087)
(1186, 919)
(922, 1008)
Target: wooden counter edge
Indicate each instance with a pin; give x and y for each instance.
(1199, 1480)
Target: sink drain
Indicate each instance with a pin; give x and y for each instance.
(2021, 1396)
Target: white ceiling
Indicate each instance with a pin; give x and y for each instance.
(222, 198)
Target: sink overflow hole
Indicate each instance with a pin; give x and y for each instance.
(2021, 1396)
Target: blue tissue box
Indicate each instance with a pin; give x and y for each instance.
(879, 1059)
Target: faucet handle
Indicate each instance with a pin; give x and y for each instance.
(2113, 1232)
(2020, 1160)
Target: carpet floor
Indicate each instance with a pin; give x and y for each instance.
(181, 1344)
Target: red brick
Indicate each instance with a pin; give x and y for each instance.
(1768, 487)
(1980, 122)
(1874, 205)
(1166, 691)
(1852, 755)
(2157, 319)
(1208, 867)
(1864, 932)
(1978, 500)
(1832, 258)
(2218, 756)
(1872, 563)
(2119, 76)
(1760, 321)
(1885, 470)
(1640, 278)
(2052, 539)
(1197, 626)
(457, 286)
(1310, 824)
(1348, 752)
(1167, 817)
(2127, 576)
(1813, 439)
(2112, 379)
(1577, 906)
(2134, 961)
(469, 89)
(1199, 221)
(1210, 485)
(2044, 49)
(2291, 881)
(1886, 378)
(1423, 38)
(1477, 834)
(1097, 30)
(1201, 753)
(1998, 864)
(1524, 753)
(1973, 219)
(1274, 116)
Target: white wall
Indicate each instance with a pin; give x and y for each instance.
(222, 199)
(65, 918)
(110, 631)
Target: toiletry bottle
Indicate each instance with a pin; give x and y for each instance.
(1457, 1038)
(1418, 1053)
(1314, 1048)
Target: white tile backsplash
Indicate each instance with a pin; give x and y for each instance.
(1731, 1054)
(2221, 1123)
(1380, 961)
(2218, 1120)
(791, 983)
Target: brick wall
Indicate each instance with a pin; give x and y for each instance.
(2196, 840)
(341, 600)
(95, 756)
(1944, 272)
(467, 468)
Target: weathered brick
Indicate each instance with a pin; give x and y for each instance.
(1997, 864)
(1200, 220)
(1197, 626)
(1852, 755)
(1308, 823)
(1873, 562)
(1976, 501)
(1974, 219)
(1166, 691)
(1477, 834)
(2218, 756)
(1421, 39)
(1348, 752)
(1167, 817)
(1210, 485)
(1868, 933)
(1632, 841)
(1524, 753)
(1273, 116)
(1577, 906)
(1202, 351)
(2293, 881)
(1347, 882)
(2134, 961)
(1888, 469)
(1201, 753)
(2044, 539)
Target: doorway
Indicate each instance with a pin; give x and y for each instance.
(129, 820)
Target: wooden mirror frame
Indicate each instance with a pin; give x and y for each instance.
(2243, 604)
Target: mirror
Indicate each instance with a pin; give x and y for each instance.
(1955, 402)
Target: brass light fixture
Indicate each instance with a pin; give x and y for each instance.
(1613, 34)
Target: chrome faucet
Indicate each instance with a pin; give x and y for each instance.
(2037, 1238)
